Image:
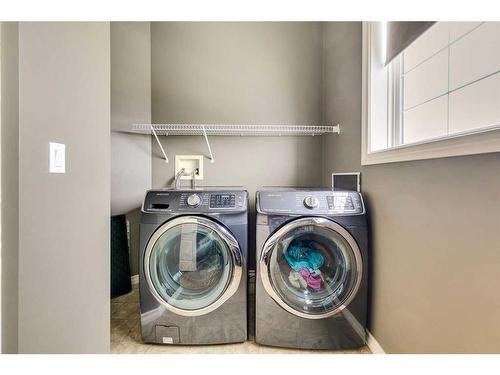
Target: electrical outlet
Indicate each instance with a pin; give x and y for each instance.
(189, 163)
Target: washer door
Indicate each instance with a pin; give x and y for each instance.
(192, 265)
(312, 267)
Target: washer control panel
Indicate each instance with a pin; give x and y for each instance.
(223, 200)
(195, 201)
(311, 202)
(344, 202)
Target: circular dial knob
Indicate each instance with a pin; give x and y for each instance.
(311, 202)
(193, 200)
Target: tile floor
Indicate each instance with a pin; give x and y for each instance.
(126, 336)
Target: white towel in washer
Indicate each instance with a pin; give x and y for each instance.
(297, 280)
(187, 251)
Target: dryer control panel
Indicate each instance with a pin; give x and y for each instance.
(304, 202)
(195, 201)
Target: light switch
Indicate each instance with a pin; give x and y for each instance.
(57, 157)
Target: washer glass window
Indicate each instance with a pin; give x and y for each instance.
(313, 268)
(190, 266)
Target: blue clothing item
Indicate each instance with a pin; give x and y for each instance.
(303, 257)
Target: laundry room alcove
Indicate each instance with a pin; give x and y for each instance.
(246, 96)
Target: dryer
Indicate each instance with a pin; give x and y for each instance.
(192, 270)
(312, 262)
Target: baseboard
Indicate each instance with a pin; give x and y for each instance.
(373, 344)
(134, 279)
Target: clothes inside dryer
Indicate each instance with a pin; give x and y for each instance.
(303, 255)
(313, 269)
(305, 261)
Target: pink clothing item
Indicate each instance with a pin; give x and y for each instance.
(314, 281)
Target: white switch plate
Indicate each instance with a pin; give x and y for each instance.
(57, 157)
(189, 163)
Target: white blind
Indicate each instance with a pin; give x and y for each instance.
(451, 80)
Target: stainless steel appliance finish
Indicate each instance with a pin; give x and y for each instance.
(193, 266)
(312, 261)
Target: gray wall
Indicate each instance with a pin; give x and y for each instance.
(64, 96)
(239, 73)
(10, 184)
(434, 233)
(435, 276)
(130, 103)
(249, 72)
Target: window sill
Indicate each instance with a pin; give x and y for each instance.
(468, 144)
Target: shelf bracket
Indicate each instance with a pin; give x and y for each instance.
(159, 144)
(208, 144)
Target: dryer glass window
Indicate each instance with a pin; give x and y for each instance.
(190, 266)
(313, 269)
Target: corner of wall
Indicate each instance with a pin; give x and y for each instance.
(322, 116)
(9, 185)
(131, 173)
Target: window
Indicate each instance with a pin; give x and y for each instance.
(439, 97)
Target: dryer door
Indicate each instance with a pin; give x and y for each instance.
(312, 267)
(192, 265)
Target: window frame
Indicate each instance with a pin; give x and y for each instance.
(473, 142)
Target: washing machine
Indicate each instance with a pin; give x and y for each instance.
(192, 272)
(312, 261)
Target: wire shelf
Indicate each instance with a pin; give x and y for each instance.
(235, 130)
(230, 130)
